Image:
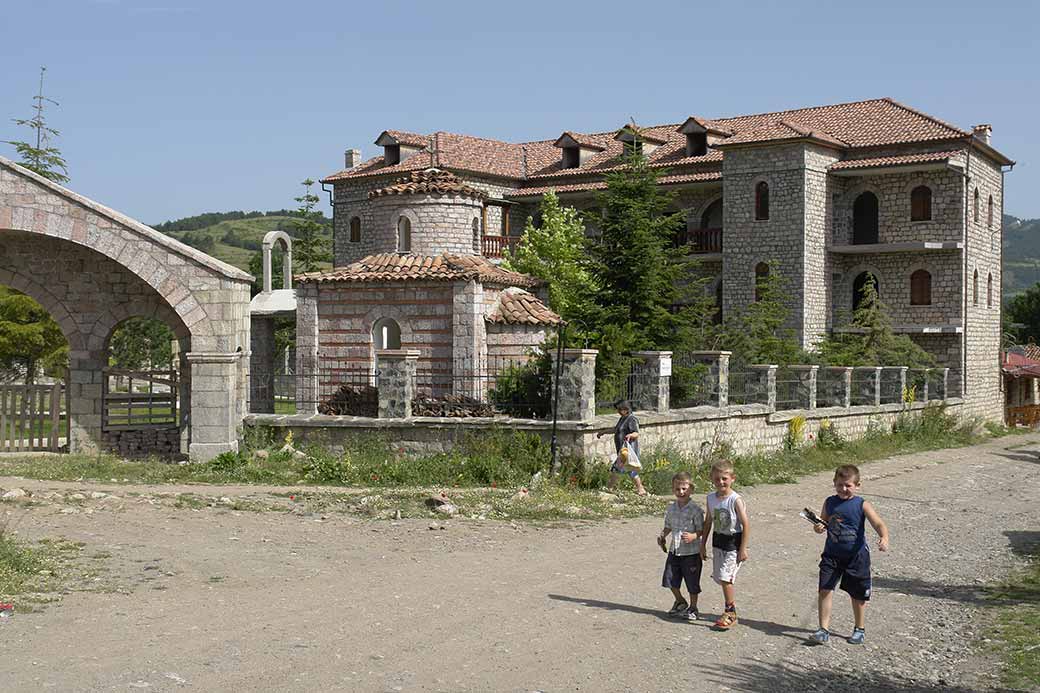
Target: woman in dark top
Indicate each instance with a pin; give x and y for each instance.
(625, 430)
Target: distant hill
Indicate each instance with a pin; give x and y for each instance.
(233, 237)
(1021, 254)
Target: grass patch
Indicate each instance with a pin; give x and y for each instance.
(37, 573)
(1017, 625)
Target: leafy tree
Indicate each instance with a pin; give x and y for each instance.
(310, 248)
(554, 252)
(1023, 314)
(757, 333)
(141, 343)
(41, 157)
(30, 340)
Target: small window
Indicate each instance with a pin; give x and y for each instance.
(989, 212)
(865, 219)
(921, 288)
(761, 201)
(976, 205)
(975, 289)
(761, 274)
(571, 157)
(696, 144)
(921, 203)
(355, 230)
(404, 235)
(989, 291)
(476, 236)
(386, 334)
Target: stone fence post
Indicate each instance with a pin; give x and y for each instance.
(396, 382)
(577, 385)
(215, 420)
(651, 376)
(838, 386)
(764, 377)
(806, 376)
(718, 374)
(307, 385)
(868, 391)
(943, 382)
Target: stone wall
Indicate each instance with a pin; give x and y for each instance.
(893, 271)
(149, 442)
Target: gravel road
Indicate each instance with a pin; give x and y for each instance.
(215, 599)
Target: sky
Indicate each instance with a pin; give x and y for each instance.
(169, 108)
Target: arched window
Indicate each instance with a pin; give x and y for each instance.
(404, 235)
(386, 334)
(859, 288)
(921, 203)
(712, 216)
(761, 201)
(921, 288)
(989, 291)
(865, 219)
(975, 289)
(976, 205)
(761, 274)
(989, 212)
(355, 230)
(476, 236)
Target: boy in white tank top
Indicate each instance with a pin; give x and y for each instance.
(727, 525)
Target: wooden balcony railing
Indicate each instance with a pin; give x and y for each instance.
(495, 246)
(702, 241)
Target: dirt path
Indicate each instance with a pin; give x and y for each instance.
(215, 599)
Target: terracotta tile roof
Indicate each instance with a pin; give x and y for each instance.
(518, 307)
(432, 181)
(410, 139)
(677, 179)
(903, 160)
(781, 130)
(583, 140)
(395, 267)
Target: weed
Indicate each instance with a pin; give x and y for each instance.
(1016, 630)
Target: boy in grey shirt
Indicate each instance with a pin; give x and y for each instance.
(680, 538)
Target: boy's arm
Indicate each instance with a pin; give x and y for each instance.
(878, 524)
(705, 533)
(742, 554)
(820, 529)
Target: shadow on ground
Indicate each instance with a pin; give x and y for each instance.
(791, 677)
(1033, 457)
(968, 594)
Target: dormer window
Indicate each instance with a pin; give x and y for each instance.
(392, 154)
(699, 134)
(696, 144)
(633, 147)
(635, 141)
(571, 157)
(398, 146)
(576, 149)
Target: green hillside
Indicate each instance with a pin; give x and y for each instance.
(1021, 254)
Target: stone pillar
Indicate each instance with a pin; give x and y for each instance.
(718, 374)
(84, 402)
(839, 386)
(942, 383)
(765, 385)
(307, 349)
(396, 382)
(652, 371)
(868, 380)
(807, 379)
(577, 386)
(214, 406)
(468, 340)
(261, 365)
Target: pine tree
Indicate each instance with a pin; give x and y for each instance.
(41, 158)
(310, 247)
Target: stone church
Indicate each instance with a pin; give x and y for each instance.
(831, 194)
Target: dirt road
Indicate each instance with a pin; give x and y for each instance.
(215, 599)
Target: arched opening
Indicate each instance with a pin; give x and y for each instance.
(761, 201)
(921, 288)
(860, 288)
(989, 212)
(386, 334)
(989, 291)
(975, 288)
(355, 230)
(921, 203)
(761, 276)
(404, 235)
(711, 218)
(865, 219)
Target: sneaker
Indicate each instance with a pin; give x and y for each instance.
(820, 637)
(727, 620)
(678, 608)
(857, 636)
(691, 614)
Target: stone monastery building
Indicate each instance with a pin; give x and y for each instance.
(832, 194)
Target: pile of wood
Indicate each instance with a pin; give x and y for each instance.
(459, 406)
(352, 400)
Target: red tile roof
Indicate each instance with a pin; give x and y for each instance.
(432, 181)
(886, 161)
(781, 130)
(394, 267)
(705, 177)
(518, 307)
(409, 139)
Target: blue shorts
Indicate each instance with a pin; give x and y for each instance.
(618, 468)
(680, 568)
(853, 572)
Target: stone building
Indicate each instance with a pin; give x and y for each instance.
(831, 194)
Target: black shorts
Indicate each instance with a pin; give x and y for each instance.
(679, 568)
(853, 572)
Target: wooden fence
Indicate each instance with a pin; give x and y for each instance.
(32, 417)
(136, 400)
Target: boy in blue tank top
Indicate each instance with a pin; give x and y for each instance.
(846, 557)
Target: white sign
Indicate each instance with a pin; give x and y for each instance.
(666, 368)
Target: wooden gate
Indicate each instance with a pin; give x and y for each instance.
(31, 418)
(137, 400)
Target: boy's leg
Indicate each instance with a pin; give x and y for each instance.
(859, 613)
(824, 601)
(677, 593)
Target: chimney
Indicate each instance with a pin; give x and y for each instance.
(983, 132)
(351, 158)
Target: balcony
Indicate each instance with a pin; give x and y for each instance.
(904, 247)
(495, 246)
(703, 242)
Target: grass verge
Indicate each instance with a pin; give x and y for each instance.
(1016, 632)
(33, 574)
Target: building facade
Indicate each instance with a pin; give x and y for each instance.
(830, 195)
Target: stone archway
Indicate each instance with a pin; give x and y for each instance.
(92, 267)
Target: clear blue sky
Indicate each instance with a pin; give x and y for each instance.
(175, 107)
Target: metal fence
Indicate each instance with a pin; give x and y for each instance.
(792, 390)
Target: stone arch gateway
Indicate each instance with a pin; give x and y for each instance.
(92, 268)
